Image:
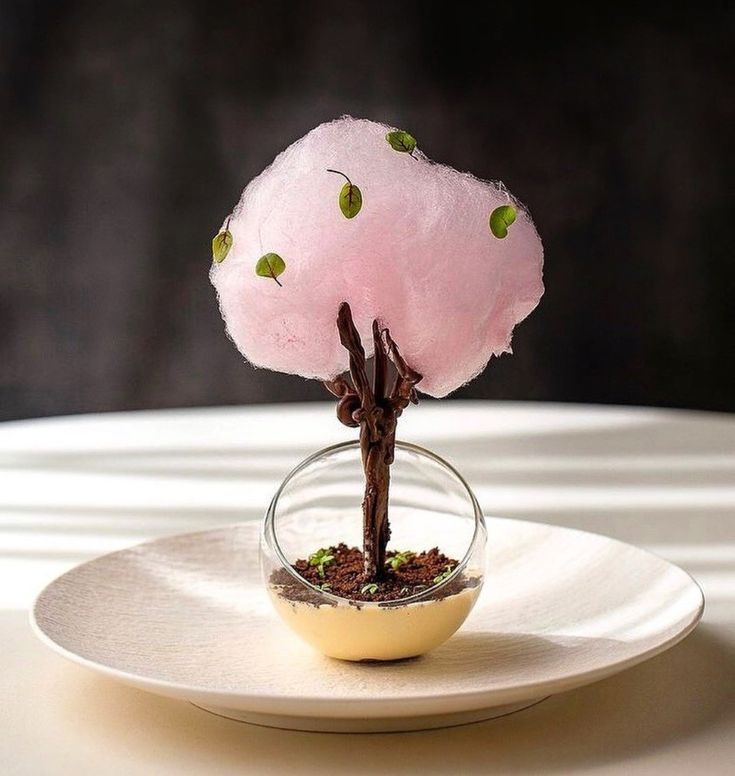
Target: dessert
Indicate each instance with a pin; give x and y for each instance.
(355, 260)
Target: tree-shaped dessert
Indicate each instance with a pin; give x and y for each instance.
(353, 246)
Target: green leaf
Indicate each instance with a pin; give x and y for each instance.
(398, 559)
(322, 555)
(350, 200)
(270, 266)
(221, 245)
(444, 575)
(401, 141)
(500, 219)
(321, 558)
(371, 588)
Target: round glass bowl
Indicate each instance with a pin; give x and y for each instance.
(319, 505)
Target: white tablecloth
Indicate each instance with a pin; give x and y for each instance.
(73, 488)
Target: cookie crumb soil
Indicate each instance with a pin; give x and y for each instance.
(339, 570)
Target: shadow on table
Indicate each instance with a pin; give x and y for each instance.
(665, 700)
(663, 480)
(609, 476)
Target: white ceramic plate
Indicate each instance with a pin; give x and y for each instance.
(187, 617)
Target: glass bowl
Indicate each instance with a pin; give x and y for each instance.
(319, 505)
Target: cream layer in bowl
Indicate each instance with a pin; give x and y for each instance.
(359, 631)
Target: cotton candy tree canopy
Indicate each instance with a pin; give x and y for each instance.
(354, 212)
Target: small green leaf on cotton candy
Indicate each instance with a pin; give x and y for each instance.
(221, 245)
(350, 197)
(401, 141)
(270, 266)
(500, 219)
(350, 200)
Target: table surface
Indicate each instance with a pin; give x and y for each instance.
(73, 488)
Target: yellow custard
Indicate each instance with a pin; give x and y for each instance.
(373, 632)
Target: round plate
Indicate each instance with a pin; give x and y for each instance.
(187, 617)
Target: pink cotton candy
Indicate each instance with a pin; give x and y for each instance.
(419, 256)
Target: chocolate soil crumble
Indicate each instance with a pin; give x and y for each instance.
(343, 576)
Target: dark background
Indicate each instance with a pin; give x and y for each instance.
(128, 129)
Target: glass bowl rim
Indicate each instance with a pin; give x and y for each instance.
(479, 532)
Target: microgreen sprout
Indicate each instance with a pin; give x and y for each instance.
(441, 577)
(326, 587)
(404, 591)
(321, 558)
(370, 588)
(398, 560)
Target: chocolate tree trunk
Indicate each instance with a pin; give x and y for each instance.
(375, 409)
(375, 525)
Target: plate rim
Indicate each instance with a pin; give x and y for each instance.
(320, 705)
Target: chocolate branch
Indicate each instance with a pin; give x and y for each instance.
(375, 409)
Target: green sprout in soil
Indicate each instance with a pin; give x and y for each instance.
(444, 575)
(370, 588)
(321, 558)
(325, 588)
(399, 559)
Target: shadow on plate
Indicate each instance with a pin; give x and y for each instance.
(665, 700)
